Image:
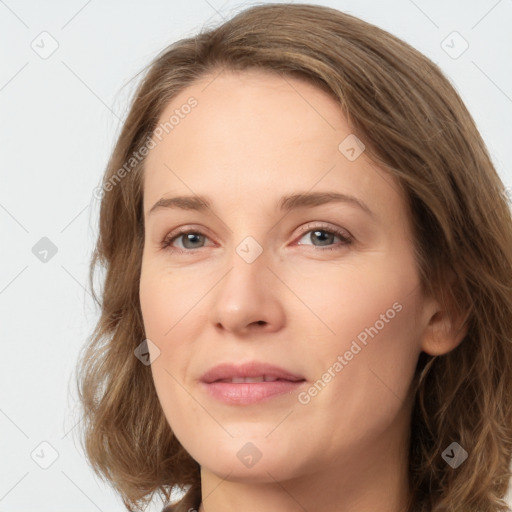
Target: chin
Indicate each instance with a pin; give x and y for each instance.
(262, 472)
(255, 459)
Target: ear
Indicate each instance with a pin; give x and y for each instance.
(445, 327)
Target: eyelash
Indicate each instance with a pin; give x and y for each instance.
(345, 240)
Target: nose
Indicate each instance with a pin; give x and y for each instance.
(248, 298)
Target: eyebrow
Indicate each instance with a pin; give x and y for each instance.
(286, 203)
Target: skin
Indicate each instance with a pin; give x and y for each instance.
(252, 138)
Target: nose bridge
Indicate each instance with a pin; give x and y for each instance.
(248, 273)
(249, 235)
(245, 295)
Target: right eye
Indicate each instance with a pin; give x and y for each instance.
(190, 240)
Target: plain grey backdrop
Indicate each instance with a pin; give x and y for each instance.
(63, 69)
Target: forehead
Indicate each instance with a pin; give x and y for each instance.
(250, 108)
(254, 132)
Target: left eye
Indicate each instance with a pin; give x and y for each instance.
(324, 237)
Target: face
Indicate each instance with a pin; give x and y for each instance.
(302, 260)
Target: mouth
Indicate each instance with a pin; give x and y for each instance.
(249, 383)
(261, 378)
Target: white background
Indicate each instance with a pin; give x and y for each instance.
(59, 117)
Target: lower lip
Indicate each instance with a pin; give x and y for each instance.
(244, 393)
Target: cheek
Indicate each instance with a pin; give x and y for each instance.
(337, 302)
(171, 319)
(379, 344)
(364, 371)
(165, 301)
(147, 295)
(162, 308)
(161, 311)
(369, 318)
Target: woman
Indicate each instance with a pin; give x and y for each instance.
(307, 302)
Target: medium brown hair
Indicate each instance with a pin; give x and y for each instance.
(416, 127)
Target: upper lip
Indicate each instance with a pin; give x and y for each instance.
(251, 369)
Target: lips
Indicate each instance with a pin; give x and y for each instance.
(247, 373)
(249, 383)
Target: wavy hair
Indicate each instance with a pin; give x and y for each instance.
(416, 127)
